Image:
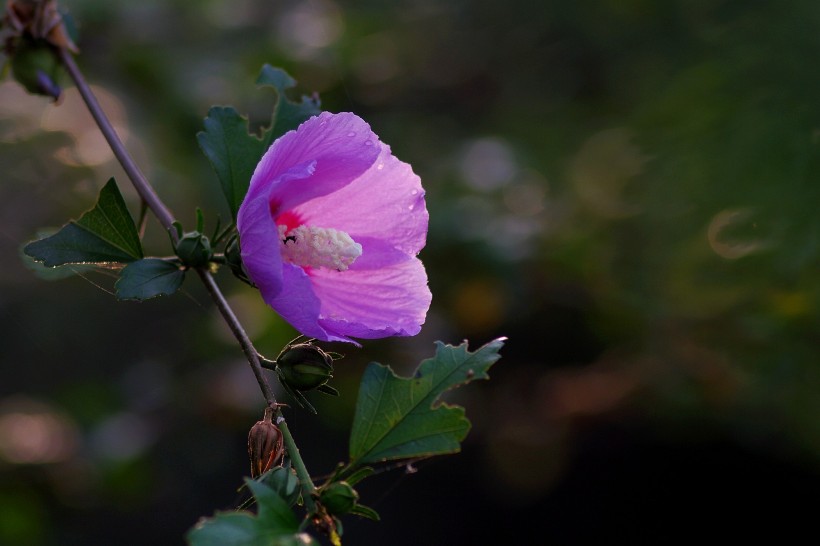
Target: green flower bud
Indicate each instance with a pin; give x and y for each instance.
(194, 249)
(338, 498)
(304, 367)
(35, 66)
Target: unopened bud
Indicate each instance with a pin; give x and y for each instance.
(194, 249)
(338, 498)
(35, 66)
(265, 445)
(305, 366)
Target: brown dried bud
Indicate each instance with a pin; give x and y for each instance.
(265, 445)
(41, 20)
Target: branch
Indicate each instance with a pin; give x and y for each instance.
(144, 189)
(163, 214)
(239, 333)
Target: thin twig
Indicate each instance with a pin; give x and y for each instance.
(296, 458)
(152, 200)
(239, 334)
(144, 189)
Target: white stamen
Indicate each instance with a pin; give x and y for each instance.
(310, 246)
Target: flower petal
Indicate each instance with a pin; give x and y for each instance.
(341, 145)
(369, 304)
(389, 205)
(259, 235)
(299, 305)
(334, 173)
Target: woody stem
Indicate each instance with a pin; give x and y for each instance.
(141, 184)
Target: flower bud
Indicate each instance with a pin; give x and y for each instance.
(194, 249)
(304, 366)
(338, 498)
(265, 445)
(35, 66)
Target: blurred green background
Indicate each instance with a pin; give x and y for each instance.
(627, 189)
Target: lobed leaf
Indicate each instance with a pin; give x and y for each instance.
(104, 234)
(274, 525)
(234, 152)
(287, 115)
(227, 529)
(149, 278)
(399, 418)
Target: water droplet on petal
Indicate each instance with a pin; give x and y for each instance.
(411, 207)
(414, 192)
(380, 166)
(351, 134)
(368, 143)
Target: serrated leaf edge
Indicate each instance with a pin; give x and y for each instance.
(439, 345)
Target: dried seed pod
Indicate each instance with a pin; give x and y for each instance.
(265, 445)
(40, 19)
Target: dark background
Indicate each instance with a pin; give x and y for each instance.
(627, 189)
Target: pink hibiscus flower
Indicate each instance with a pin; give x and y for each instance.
(330, 229)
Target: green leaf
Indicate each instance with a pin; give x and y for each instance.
(284, 481)
(274, 511)
(228, 529)
(287, 115)
(398, 418)
(106, 233)
(274, 525)
(54, 273)
(149, 278)
(232, 151)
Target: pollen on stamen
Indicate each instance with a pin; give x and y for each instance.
(310, 246)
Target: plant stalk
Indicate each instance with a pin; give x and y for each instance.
(296, 458)
(239, 333)
(144, 189)
(163, 214)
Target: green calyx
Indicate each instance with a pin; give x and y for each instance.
(338, 498)
(233, 259)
